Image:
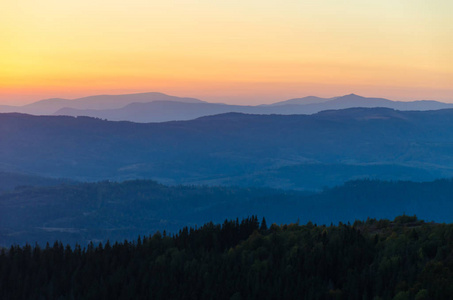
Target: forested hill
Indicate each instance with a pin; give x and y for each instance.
(403, 259)
(80, 213)
(293, 152)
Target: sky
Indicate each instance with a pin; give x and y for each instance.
(235, 51)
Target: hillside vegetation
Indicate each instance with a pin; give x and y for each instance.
(400, 259)
(80, 213)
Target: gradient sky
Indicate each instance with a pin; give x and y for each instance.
(242, 51)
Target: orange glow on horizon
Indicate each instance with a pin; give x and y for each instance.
(242, 52)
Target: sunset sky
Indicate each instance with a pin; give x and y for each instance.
(243, 52)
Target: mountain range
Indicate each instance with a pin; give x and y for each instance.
(98, 102)
(158, 107)
(291, 152)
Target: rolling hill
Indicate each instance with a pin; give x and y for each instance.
(117, 211)
(297, 151)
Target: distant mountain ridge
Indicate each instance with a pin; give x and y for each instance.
(50, 106)
(302, 101)
(293, 151)
(158, 107)
(162, 111)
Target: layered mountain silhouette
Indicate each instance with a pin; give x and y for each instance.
(161, 111)
(296, 151)
(158, 107)
(99, 102)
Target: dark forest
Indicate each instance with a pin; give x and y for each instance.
(374, 259)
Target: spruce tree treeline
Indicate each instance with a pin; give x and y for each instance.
(400, 259)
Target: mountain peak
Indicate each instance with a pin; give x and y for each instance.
(352, 95)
